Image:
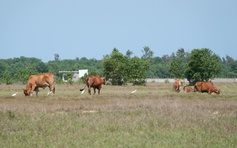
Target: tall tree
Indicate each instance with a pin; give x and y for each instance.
(7, 77)
(56, 57)
(138, 70)
(178, 63)
(129, 53)
(233, 66)
(120, 68)
(202, 66)
(176, 68)
(147, 53)
(114, 66)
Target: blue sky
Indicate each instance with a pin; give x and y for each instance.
(92, 28)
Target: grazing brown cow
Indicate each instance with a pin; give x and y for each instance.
(206, 87)
(40, 81)
(95, 82)
(188, 89)
(177, 85)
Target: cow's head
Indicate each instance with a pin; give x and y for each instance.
(216, 90)
(196, 88)
(103, 80)
(26, 92)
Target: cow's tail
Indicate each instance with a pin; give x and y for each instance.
(83, 88)
(87, 79)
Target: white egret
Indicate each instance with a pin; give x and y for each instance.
(82, 92)
(14, 94)
(133, 91)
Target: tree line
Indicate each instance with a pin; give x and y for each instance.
(197, 65)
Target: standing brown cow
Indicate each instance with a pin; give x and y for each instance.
(40, 81)
(95, 82)
(177, 85)
(206, 87)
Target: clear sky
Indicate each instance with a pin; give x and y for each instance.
(92, 28)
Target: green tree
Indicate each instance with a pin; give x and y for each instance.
(147, 53)
(56, 57)
(176, 68)
(55, 67)
(23, 74)
(233, 66)
(232, 75)
(178, 64)
(129, 53)
(120, 69)
(114, 66)
(3, 67)
(159, 67)
(93, 72)
(69, 76)
(138, 70)
(202, 66)
(7, 77)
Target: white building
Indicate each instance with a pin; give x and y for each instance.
(76, 74)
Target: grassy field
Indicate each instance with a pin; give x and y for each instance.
(152, 117)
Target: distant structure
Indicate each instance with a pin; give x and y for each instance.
(76, 74)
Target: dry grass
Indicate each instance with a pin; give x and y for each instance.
(153, 116)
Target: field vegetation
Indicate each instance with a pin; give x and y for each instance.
(154, 116)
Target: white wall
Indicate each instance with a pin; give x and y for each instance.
(170, 80)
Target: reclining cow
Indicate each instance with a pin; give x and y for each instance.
(188, 89)
(206, 87)
(94, 82)
(40, 81)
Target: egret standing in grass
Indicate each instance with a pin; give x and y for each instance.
(133, 91)
(82, 92)
(14, 94)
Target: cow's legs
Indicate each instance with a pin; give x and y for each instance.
(94, 91)
(89, 90)
(37, 90)
(209, 91)
(51, 90)
(98, 90)
(33, 88)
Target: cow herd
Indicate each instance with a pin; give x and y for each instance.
(200, 87)
(48, 80)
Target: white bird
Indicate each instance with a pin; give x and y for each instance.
(14, 94)
(82, 91)
(133, 91)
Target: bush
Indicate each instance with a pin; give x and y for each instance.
(167, 81)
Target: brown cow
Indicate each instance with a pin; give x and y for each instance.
(188, 89)
(95, 82)
(40, 81)
(177, 85)
(206, 87)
